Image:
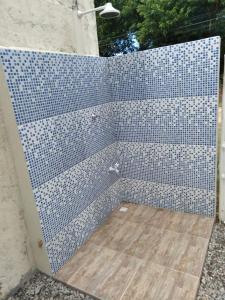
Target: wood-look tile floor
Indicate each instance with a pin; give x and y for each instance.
(144, 253)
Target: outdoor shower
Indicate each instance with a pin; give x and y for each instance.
(96, 131)
(107, 11)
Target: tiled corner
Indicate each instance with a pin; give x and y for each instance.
(71, 237)
(64, 197)
(154, 112)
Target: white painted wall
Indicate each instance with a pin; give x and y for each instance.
(15, 253)
(44, 25)
(48, 24)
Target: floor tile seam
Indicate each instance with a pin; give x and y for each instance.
(141, 263)
(183, 233)
(166, 209)
(141, 260)
(169, 230)
(175, 270)
(76, 288)
(123, 252)
(99, 248)
(168, 268)
(75, 285)
(68, 262)
(108, 274)
(145, 261)
(119, 254)
(87, 292)
(129, 283)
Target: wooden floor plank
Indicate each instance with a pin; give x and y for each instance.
(144, 253)
(125, 236)
(121, 272)
(193, 257)
(182, 222)
(162, 219)
(203, 227)
(93, 269)
(83, 256)
(154, 281)
(146, 245)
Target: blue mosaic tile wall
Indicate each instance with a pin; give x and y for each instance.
(166, 125)
(64, 113)
(182, 70)
(44, 85)
(154, 111)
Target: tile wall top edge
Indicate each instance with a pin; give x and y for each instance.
(217, 38)
(23, 49)
(96, 56)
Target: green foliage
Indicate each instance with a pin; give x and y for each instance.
(170, 21)
(157, 23)
(116, 35)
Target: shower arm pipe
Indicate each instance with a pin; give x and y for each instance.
(81, 13)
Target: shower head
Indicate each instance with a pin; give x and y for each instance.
(107, 11)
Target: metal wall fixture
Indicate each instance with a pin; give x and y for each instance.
(115, 168)
(107, 11)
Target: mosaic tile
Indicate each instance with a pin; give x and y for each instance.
(67, 241)
(45, 84)
(55, 144)
(127, 76)
(175, 197)
(184, 120)
(64, 197)
(184, 165)
(180, 70)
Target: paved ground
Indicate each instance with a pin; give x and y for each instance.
(42, 287)
(212, 285)
(213, 278)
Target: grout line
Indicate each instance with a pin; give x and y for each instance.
(178, 271)
(170, 230)
(197, 277)
(129, 283)
(178, 213)
(73, 287)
